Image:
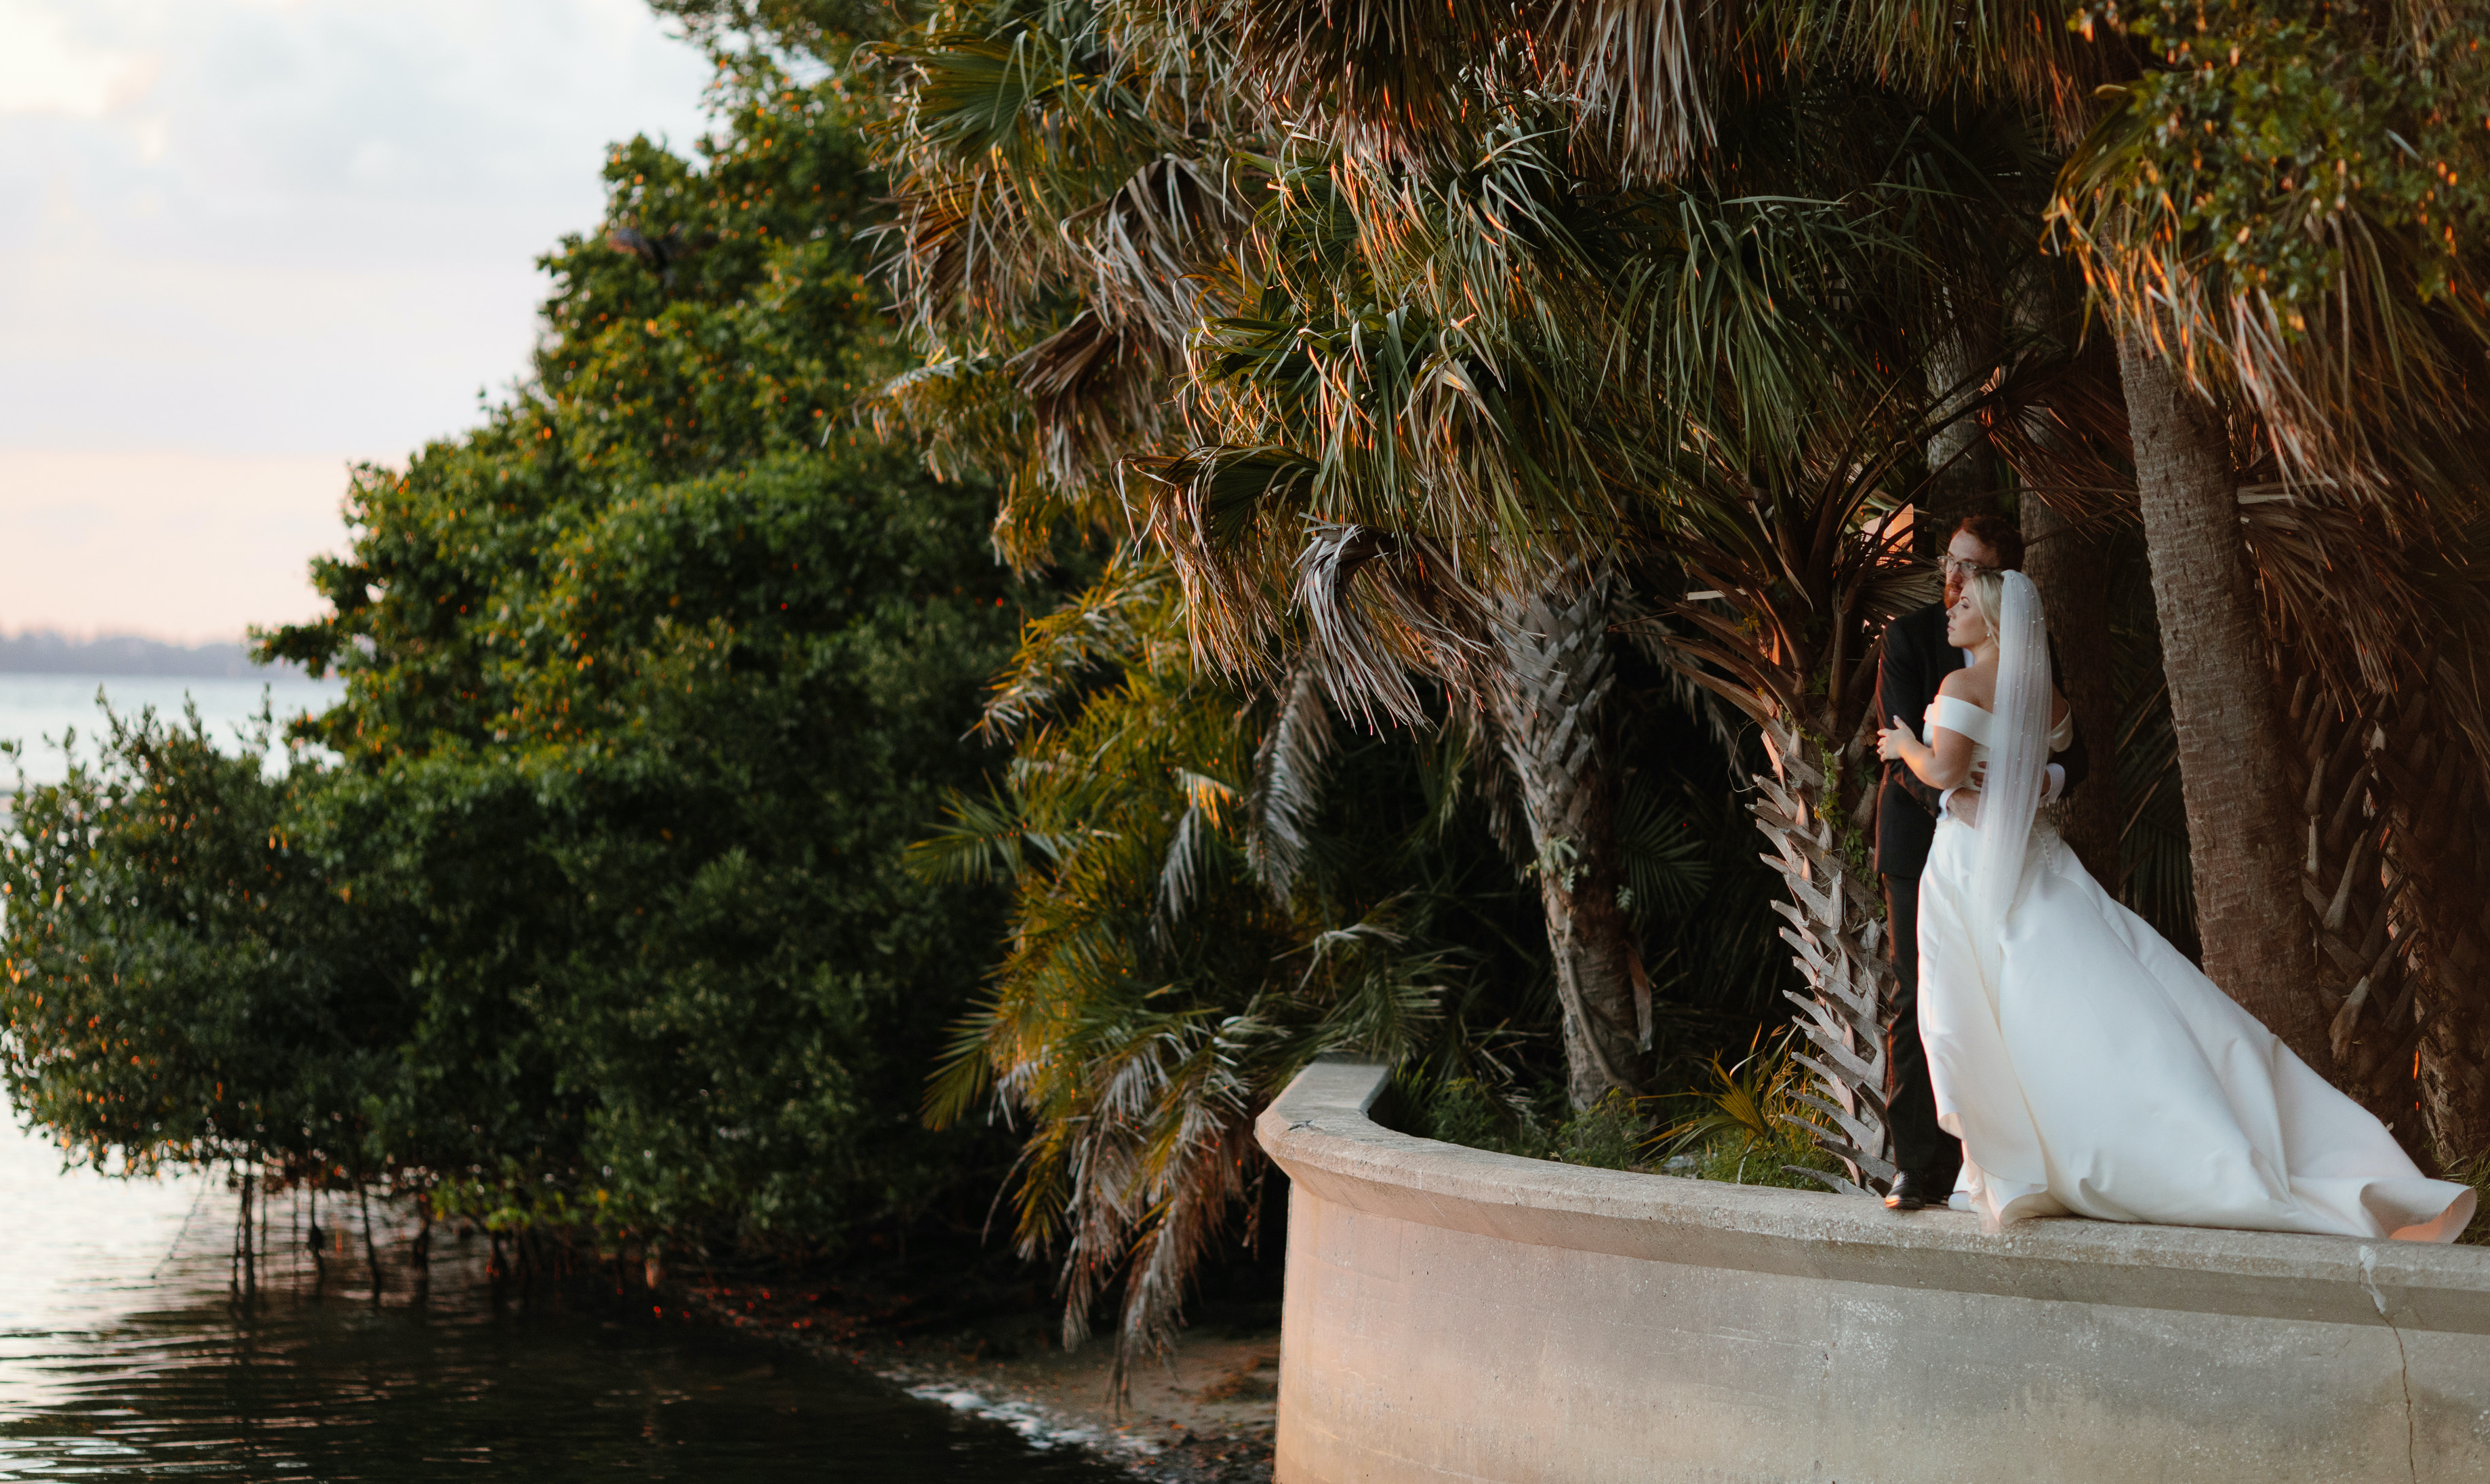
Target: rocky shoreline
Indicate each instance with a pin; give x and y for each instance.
(1205, 1415)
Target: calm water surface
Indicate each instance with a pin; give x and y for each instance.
(34, 708)
(122, 1356)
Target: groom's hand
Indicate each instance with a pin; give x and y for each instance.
(1963, 804)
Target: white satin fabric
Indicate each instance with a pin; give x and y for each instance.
(2090, 1069)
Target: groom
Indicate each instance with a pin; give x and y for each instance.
(1917, 659)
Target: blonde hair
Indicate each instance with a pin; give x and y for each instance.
(1987, 590)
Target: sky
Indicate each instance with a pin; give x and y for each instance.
(244, 244)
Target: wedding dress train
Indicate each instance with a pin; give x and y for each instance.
(2089, 1068)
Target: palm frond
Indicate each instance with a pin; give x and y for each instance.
(1061, 651)
(1667, 862)
(982, 839)
(1288, 773)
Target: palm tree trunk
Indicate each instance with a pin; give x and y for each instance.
(245, 1246)
(419, 1256)
(1962, 470)
(314, 1238)
(371, 1245)
(1836, 925)
(1558, 674)
(2072, 570)
(2243, 820)
(1591, 945)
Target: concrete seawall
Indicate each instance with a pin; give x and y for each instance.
(1453, 1314)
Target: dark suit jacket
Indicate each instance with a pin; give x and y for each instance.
(1916, 660)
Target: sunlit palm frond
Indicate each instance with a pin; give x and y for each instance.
(1200, 840)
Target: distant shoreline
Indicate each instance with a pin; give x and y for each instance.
(46, 651)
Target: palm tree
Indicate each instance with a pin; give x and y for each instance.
(1012, 128)
(1532, 674)
(1801, 592)
(1476, 380)
(1187, 931)
(1560, 282)
(2279, 217)
(2299, 300)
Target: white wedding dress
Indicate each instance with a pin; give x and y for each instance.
(2090, 1069)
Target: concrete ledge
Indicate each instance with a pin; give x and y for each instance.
(1457, 1313)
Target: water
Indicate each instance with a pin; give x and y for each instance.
(37, 707)
(122, 1356)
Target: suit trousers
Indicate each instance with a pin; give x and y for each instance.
(1919, 1144)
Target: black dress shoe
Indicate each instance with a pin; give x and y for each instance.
(1909, 1191)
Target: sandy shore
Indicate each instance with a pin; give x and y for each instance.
(1203, 1415)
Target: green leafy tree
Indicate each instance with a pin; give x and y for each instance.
(648, 681)
(185, 987)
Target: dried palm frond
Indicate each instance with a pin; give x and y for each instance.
(1380, 609)
(1288, 772)
(2022, 49)
(1393, 80)
(1647, 76)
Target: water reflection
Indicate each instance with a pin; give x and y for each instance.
(122, 1356)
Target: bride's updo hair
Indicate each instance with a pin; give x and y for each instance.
(1987, 590)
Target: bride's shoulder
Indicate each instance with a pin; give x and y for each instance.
(1965, 685)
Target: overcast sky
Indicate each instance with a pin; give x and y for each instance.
(244, 243)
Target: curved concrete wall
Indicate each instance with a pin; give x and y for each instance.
(1453, 1314)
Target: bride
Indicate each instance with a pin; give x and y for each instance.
(2086, 1066)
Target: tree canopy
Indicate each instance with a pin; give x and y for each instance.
(1440, 356)
(592, 909)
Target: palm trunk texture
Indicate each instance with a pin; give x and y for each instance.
(1963, 472)
(2244, 820)
(2072, 570)
(1797, 654)
(1558, 674)
(1837, 924)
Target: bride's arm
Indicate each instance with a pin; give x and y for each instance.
(1946, 764)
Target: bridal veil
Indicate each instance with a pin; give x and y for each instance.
(2019, 749)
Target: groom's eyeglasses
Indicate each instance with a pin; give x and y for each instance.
(1957, 571)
